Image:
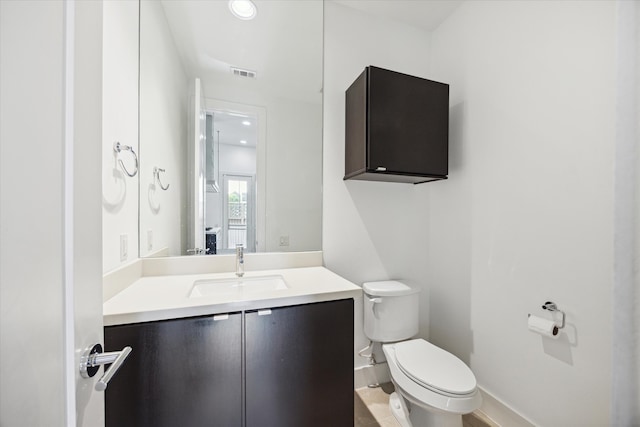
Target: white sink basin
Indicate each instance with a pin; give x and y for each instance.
(236, 286)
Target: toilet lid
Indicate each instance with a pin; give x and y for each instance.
(434, 368)
(388, 288)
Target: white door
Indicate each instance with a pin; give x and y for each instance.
(83, 205)
(196, 168)
(50, 211)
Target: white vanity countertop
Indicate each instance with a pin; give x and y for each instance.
(167, 297)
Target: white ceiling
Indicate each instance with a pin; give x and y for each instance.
(425, 14)
(233, 130)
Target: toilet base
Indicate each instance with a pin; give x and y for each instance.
(411, 415)
(398, 409)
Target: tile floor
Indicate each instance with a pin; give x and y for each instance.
(372, 407)
(372, 410)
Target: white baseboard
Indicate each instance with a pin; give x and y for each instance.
(501, 414)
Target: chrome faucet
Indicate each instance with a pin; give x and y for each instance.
(239, 260)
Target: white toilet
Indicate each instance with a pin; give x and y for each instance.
(433, 387)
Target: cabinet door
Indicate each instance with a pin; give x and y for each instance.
(299, 366)
(183, 372)
(408, 123)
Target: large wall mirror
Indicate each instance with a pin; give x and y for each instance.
(230, 126)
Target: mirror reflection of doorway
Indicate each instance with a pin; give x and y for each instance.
(239, 212)
(231, 170)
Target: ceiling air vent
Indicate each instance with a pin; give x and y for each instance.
(243, 73)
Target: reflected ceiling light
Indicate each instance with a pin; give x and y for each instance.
(242, 141)
(243, 9)
(246, 122)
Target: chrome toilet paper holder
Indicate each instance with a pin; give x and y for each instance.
(551, 306)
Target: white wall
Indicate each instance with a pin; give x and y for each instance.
(371, 230)
(164, 90)
(635, 319)
(237, 159)
(625, 406)
(527, 214)
(294, 175)
(119, 123)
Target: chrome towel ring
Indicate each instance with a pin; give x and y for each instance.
(118, 148)
(156, 176)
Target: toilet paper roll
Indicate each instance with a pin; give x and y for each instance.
(542, 326)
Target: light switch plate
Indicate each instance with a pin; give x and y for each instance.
(284, 240)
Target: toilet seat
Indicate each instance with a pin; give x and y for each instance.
(419, 394)
(434, 368)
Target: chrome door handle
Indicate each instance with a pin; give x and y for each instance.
(94, 357)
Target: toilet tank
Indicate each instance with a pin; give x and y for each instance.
(390, 311)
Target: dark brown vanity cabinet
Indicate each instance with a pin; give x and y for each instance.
(299, 366)
(181, 372)
(397, 128)
(288, 366)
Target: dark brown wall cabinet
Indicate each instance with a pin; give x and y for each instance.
(288, 366)
(397, 128)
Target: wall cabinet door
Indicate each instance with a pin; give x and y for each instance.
(183, 372)
(396, 128)
(299, 366)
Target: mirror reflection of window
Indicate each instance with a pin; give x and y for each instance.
(239, 212)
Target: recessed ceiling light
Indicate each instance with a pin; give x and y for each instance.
(242, 141)
(243, 9)
(246, 122)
